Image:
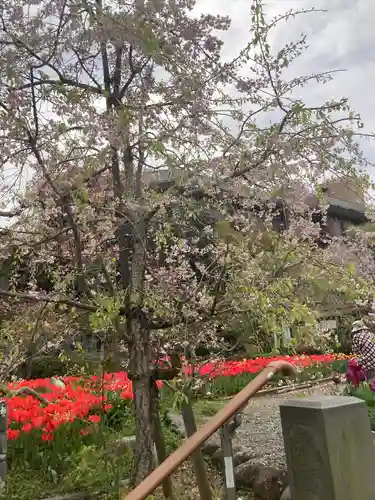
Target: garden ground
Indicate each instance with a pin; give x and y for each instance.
(260, 431)
(260, 434)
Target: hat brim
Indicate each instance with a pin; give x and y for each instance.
(359, 329)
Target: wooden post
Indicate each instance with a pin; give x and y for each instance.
(159, 441)
(227, 433)
(329, 449)
(226, 446)
(197, 457)
(3, 442)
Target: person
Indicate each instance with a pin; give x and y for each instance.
(363, 347)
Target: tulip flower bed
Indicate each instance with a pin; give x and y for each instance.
(57, 439)
(56, 444)
(88, 400)
(80, 400)
(230, 377)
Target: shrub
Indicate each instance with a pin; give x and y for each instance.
(44, 367)
(365, 393)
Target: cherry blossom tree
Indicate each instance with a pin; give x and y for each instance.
(98, 102)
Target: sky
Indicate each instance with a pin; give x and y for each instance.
(343, 38)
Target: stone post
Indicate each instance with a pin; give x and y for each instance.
(329, 448)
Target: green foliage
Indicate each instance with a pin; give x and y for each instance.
(368, 396)
(89, 469)
(47, 367)
(93, 468)
(107, 311)
(363, 392)
(120, 415)
(285, 285)
(343, 332)
(206, 408)
(72, 363)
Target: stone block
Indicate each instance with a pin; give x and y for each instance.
(329, 448)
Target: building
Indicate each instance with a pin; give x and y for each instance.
(346, 206)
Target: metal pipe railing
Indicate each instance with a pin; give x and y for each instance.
(172, 463)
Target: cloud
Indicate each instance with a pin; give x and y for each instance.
(341, 38)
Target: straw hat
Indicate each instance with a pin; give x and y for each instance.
(358, 326)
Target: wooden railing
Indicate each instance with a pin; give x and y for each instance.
(172, 463)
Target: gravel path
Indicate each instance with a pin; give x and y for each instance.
(260, 431)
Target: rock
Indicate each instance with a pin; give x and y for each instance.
(119, 446)
(286, 494)
(269, 483)
(211, 447)
(127, 442)
(177, 423)
(240, 455)
(217, 457)
(58, 382)
(266, 482)
(246, 473)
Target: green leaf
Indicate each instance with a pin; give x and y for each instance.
(226, 231)
(158, 147)
(62, 128)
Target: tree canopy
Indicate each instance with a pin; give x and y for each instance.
(98, 101)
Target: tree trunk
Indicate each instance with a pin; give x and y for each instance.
(140, 371)
(28, 364)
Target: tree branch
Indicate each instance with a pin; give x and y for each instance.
(62, 80)
(9, 213)
(49, 300)
(134, 71)
(218, 283)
